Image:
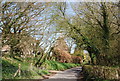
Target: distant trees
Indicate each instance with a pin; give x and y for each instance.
(61, 52)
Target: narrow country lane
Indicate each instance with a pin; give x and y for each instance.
(67, 75)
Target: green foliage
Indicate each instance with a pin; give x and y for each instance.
(6, 71)
(10, 66)
(54, 65)
(100, 73)
(78, 52)
(94, 27)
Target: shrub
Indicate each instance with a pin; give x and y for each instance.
(101, 72)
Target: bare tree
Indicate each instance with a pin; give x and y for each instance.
(20, 19)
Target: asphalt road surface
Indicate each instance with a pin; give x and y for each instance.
(73, 74)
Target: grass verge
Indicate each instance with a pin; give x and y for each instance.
(28, 71)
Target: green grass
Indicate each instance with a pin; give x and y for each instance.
(54, 65)
(10, 66)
